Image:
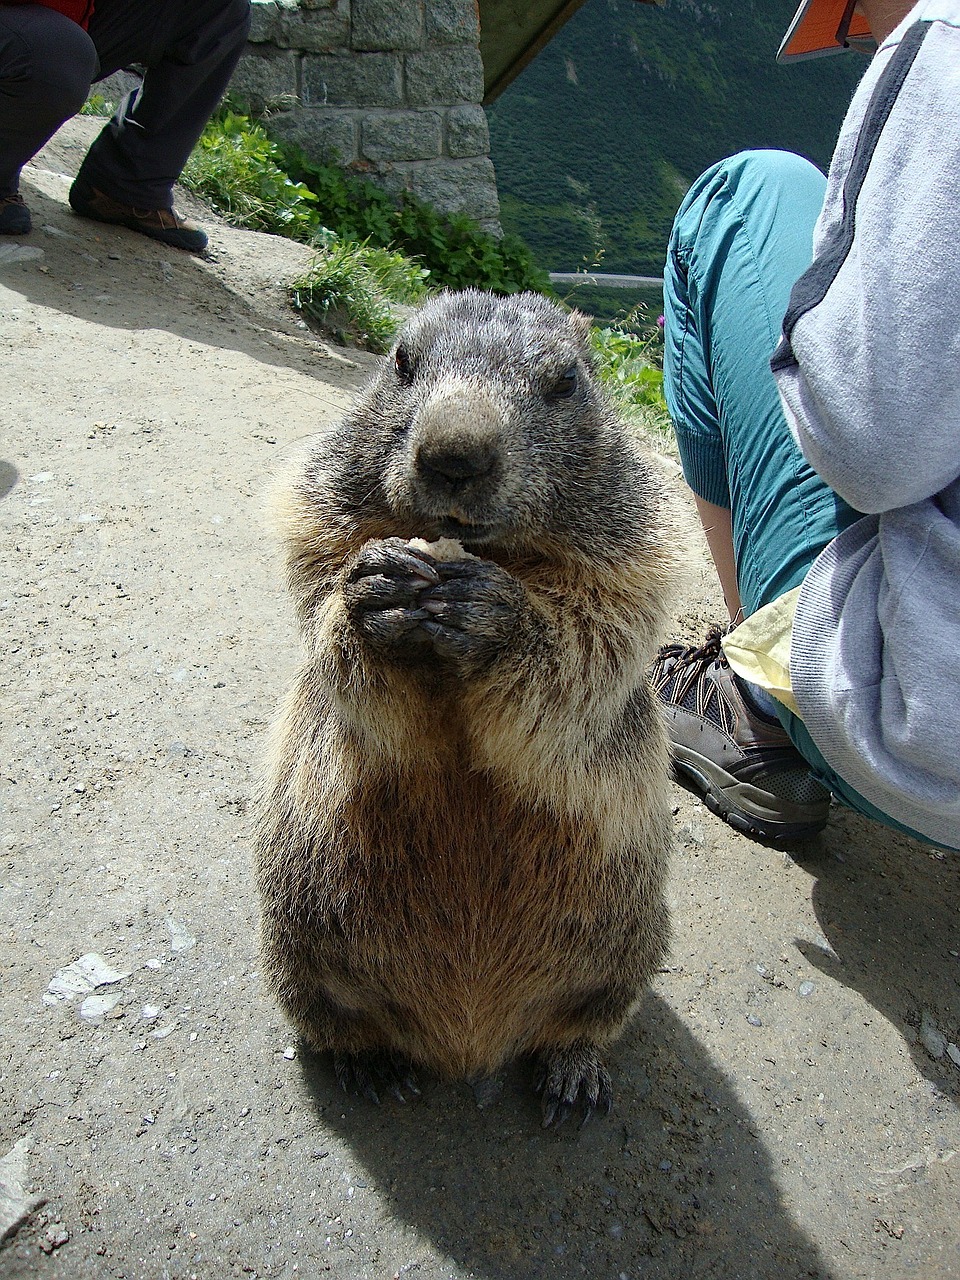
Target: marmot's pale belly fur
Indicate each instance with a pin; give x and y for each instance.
(463, 837)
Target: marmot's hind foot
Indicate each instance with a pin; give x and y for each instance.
(571, 1076)
(372, 1073)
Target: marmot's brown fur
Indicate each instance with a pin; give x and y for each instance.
(463, 836)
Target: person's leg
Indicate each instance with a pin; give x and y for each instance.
(189, 49)
(741, 238)
(717, 525)
(46, 65)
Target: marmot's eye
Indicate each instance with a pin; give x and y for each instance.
(565, 385)
(403, 365)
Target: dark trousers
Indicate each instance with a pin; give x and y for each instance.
(188, 48)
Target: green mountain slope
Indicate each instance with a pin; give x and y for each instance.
(596, 141)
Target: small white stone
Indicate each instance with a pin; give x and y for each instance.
(181, 939)
(81, 977)
(96, 1006)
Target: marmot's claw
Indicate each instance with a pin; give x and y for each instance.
(382, 593)
(408, 1083)
(369, 1073)
(393, 558)
(555, 1112)
(468, 579)
(570, 1076)
(473, 611)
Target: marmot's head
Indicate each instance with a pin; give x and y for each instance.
(486, 424)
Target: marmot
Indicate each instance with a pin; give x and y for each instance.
(463, 833)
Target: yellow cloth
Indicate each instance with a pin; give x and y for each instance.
(759, 648)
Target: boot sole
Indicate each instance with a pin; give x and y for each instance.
(746, 808)
(188, 241)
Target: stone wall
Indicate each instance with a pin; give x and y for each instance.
(391, 88)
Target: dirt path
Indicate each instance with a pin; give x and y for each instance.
(787, 1100)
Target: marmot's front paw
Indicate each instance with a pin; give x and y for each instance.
(472, 613)
(382, 594)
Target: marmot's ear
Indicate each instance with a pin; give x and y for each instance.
(580, 324)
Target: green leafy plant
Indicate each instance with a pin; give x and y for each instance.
(265, 185)
(352, 207)
(630, 367)
(239, 170)
(452, 247)
(351, 290)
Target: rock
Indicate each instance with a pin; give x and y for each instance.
(16, 1203)
(19, 253)
(96, 1006)
(931, 1037)
(692, 835)
(181, 939)
(54, 1236)
(82, 977)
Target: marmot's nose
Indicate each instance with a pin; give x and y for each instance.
(456, 463)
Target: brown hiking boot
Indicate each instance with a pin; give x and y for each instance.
(165, 225)
(14, 215)
(740, 760)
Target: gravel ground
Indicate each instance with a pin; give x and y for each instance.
(787, 1097)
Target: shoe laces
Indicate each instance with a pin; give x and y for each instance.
(696, 655)
(676, 674)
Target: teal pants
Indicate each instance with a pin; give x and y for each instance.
(742, 236)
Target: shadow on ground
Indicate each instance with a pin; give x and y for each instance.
(675, 1182)
(117, 278)
(9, 475)
(890, 909)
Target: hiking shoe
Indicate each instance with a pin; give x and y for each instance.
(165, 225)
(15, 217)
(740, 760)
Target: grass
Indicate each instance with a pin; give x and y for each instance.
(630, 366)
(375, 256)
(352, 292)
(98, 105)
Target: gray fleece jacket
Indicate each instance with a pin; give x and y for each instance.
(869, 374)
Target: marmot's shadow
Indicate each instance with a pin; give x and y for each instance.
(674, 1183)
